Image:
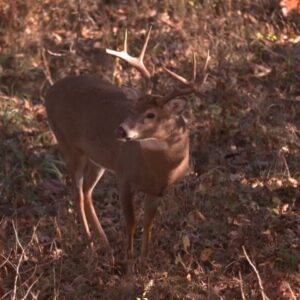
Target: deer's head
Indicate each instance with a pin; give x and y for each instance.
(154, 116)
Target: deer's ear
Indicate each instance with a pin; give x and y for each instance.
(176, 106)
(131, 94)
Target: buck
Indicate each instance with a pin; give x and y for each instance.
(142, 138)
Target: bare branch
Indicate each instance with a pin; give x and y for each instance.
(241, 286)
(19, 262)
(262, 291)
(46, 68)
(31, 286)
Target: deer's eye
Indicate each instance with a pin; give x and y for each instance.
(150, 115)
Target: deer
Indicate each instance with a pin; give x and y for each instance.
(141, 137)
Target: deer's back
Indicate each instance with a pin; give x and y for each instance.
(84, 112)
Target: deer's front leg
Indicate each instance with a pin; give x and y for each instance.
(127, 204)
(151, 204)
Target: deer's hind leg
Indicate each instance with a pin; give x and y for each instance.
(92, 175)
(76, 163)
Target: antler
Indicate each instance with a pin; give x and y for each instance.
(192, 86)
(136, 62)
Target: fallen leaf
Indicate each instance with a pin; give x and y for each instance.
(205, 254)
(186, 242)
(199, 216)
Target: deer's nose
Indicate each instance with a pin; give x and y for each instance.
(121, 133)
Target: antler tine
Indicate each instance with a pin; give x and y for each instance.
(191, 85)
(141, 57)
(182, 79)
(178, 77)
(136, 62)
(176, 92)
(192, 82)
(125, 42)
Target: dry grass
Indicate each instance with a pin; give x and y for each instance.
(229, 231)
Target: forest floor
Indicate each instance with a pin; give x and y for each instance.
(230, 229)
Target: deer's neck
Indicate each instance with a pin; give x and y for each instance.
(156, 163)
(168, 157)
(173, 145)
(177, 146)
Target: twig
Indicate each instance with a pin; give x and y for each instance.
(31, 286)
(6, 260)
(264, 296)
(285, 164)
(54, 282)
(79, 21)
(18, 266)
(271, 51)
(19, 262)
(291, 291)
(8, 98)
(25, 283)
(46, 68)
(55, 53)
(241, 286)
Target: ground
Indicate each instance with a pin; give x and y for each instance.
(230, 229)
